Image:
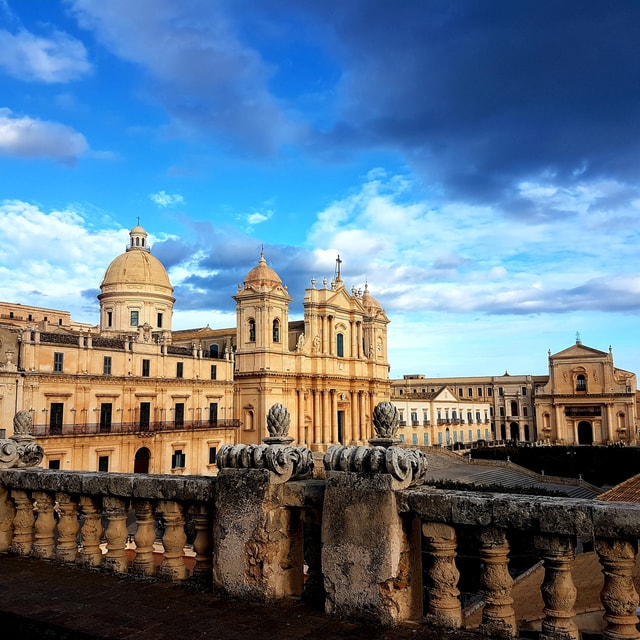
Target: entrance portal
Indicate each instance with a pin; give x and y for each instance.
(514, 431)
(585, 432)
(141, 462)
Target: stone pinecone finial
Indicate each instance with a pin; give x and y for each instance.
(385, 423)
(278, 422)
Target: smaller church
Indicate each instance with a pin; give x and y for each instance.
(587, 400)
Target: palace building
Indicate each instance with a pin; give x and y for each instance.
(132, 394)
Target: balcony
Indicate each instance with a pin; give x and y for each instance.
(93, 428)
(405, 568)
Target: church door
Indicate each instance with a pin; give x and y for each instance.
(141, 462)
(585, 433)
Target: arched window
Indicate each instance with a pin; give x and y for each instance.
(514, 408)
(340, 345)
(581, 382)
(252, 330)
(213, 350)
(276, 330)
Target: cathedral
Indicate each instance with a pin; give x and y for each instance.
(131, 394)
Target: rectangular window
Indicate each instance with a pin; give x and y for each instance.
(214, 372)
(103, 463)
(502, 412)
(213, 412)
(402, 437)
(55, 420)
(415, 439)
(470, 435)
(145, 416)
(58, 362)
(179, 417)
(178, 459)
(490, 392)
(159, 321)
(212, 455)
(480, 392)
(106, 409)
(500, 391)
(524, 391)
(460, 392)
(106, 366)
(179, 369)
(426, 439)
(109, 318)
(525, 411)
(146, 367)
(134, 317)
(470, 392)
(54, 464)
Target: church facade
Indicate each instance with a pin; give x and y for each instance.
(131, 394)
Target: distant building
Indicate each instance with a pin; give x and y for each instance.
(583, 400)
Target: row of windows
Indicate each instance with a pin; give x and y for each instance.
(178, 460)
(107, 363)
(480, 390)
(142, 417)
(449, 437)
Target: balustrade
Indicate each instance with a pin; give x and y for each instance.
(60, 515)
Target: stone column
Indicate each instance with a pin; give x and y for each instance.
(498, 616)
(326, 418)
(619, 596)
(144, 538)
(370, 554)
(257, 541)
(43, 545)
(7, 515)
(90, 554)
(334, 416)
(317, 421)
(116, 534)
(68, 527)
(444, 609)
(361, 436)
(355, 419)
(558, 590)
(173, 540)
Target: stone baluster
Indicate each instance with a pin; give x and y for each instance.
(144, 538)
(68, 527)
(444, 609)
(558, 590)
(115, 510)
(619, 596)
(90, 554)
(498, 616)
(203, 542)
(22, 543)
(7, 515)
(45, 525)
(173, 540)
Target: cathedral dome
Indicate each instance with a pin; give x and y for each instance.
(136, 266)
(262, 275)
(136, 290)
(369, 302)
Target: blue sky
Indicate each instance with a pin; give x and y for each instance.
(476, 163)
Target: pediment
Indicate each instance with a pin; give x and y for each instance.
(577, 351)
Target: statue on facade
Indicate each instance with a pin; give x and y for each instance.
(20, 450)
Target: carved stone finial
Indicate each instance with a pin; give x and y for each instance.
(23, 424)
(19, 450)
(385, 423)
(278, 422)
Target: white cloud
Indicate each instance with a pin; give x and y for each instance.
(164, 199)
(259, 217)
(30, 138)
(48, 258)
(58, 58)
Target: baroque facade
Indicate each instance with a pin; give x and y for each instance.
(131, 394)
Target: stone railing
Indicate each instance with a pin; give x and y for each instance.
(355, 541)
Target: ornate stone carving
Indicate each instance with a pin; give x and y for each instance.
(275, 455)
(278, 422)
(406, 466)
(19, 450)
(385, 423)
(286, 462)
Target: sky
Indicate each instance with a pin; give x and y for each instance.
(476, 164)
